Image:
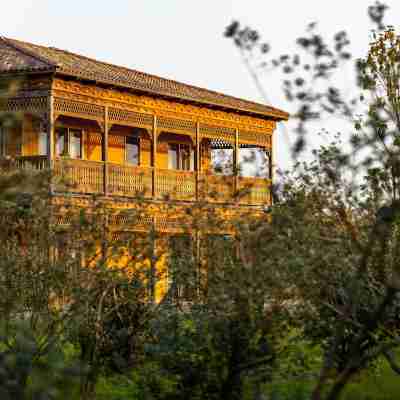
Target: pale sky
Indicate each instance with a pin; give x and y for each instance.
(183, 39)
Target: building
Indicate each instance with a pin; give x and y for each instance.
(126, 136)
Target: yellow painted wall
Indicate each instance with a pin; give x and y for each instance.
(116, 148)
(145, 151)
(116, 145)
(93, 145)
(162, 146)
(29, 136)
(135, 258)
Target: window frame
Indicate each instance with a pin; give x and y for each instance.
(180, 148)
(137, 140)
(43, 145)
(68, 141)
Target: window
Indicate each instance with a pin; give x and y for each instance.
(75, 143)
(173, 156)
(42, 145)
(69, 142)
(222, 161)
(255, 162)
(132, 150)
(61, 141)
(181, 157)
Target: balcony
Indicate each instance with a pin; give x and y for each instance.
(97, 177)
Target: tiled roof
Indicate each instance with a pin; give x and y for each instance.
(18, 56)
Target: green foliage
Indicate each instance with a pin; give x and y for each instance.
(28, 372)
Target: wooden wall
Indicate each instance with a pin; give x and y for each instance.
(23, 140)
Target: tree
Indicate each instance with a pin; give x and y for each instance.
(61, 283)
(338, 237)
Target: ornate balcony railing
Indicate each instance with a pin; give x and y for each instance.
(32, 162)
(79, 176)
(129, 180)
(217, 188)
(253, 190)
(92, 177)
(176, 185)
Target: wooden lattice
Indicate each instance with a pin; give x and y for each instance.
(177, 185)
(255, 138)
(32, 104)
(129, 181)
(217, 188)
(217, 132)
(79, 176)
(179, 125)
(130, 118)
(125, 221)
(94, 139)
(116, 141)
(171, 224)
(254, 191)
(78, 109)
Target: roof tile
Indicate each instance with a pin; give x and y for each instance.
(16, 55)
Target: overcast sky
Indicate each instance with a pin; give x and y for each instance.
(183, 39)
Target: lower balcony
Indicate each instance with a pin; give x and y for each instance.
(96, 177)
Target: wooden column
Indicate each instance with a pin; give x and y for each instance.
(105, 150)
(272, 166)
(154, 157)
(236, 160)
(50, 130)
(153, 261)
(198, 164)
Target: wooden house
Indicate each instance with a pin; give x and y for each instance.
(122, 135)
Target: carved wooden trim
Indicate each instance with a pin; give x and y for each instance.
(36, 105)
(78, 109)
(255, 138)
(131, 118)
(179, 126)
(146, 104)
(217, 132)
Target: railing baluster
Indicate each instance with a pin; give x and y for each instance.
(84, 176)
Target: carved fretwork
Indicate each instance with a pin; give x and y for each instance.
(130, 118)
(256, 138)
(34, 105)
(78, 109)
(176, 125)
(217, 132)
(145, 104)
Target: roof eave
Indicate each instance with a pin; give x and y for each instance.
(277, 114)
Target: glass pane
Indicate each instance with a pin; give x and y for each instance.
(42, 146)
(185, 157)
(253, 162)
(61, 139)
(222, 161)
(173, 156)
(132, 150)
(76, 144)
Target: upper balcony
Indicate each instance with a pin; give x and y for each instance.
(122, 145)
(112, 179)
